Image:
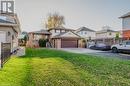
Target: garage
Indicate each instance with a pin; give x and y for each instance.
(69, 43)
(66, 40)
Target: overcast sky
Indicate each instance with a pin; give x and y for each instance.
(93, 14)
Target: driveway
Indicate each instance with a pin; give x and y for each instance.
(108, 54)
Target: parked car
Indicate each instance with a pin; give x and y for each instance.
(100, 46)
(121, 47)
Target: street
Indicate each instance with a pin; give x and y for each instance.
(107, 54)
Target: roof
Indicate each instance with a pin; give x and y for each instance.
(126, 15)
(105, 30)
(41, 32)
(10, 20)
(61, 34)
(61, 28)
(84, 29)
(5, 21)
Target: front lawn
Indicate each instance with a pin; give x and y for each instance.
(46, 67)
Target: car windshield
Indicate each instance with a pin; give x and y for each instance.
(125, 42)
(101, 45)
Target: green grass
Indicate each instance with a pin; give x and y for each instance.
(45, 67)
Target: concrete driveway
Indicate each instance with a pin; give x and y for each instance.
(107, 54)
(82, 50)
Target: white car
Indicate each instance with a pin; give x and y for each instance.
(122, 47)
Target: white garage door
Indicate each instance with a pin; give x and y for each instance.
(2, 36)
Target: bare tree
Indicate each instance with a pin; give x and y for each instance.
(54, 20)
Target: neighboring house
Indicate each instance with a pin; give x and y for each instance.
(59, 37)
(35, 36)
(9, 30)
(108, 36)
(58, 30)
(86, 33)
(126, 26)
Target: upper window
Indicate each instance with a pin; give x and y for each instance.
(81, 32)
(62, 30)
(85, 32)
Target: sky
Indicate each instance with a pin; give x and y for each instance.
(93, 14)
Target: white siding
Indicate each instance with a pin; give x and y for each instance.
(101, 35)
(54, 33)
(87, 34)
(2, 36)
(107, 35)
(14, 42)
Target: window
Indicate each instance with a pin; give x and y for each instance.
(81, 32)
(62, 30)
(9, 33)
(12, 37)
(128, 43)
(57, 31)
(85, 32)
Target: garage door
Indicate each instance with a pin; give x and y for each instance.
(2, 36)
(69, 43)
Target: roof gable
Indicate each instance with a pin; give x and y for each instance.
(10, 20)
(85, 29)
(105, 31)
(67, 35)
(70, 34)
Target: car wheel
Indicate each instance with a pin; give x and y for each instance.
(114, 50)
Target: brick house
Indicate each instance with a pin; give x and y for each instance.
(59, 37)
(35, 36)
(126, 26)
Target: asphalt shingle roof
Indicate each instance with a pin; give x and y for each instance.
(4, 21)
(84, 29)
(61, 28)
(105, 30)
(59, 35)
(126, 15)
(41, 32)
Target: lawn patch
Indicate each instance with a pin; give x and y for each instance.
(46, 67)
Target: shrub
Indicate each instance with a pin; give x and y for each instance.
(42, 42)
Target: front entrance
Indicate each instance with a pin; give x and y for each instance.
(69, 43)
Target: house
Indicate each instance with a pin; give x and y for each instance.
(64, 38)
(108, 36)
(23, 38)
(35, 36)
(126, 26)
(59, 37)
(86, 33)
(9, 30)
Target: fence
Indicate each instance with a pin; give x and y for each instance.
(5, 52)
